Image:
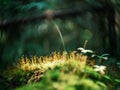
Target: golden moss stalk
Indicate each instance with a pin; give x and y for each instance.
(45, 62)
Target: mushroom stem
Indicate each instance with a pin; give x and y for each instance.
(85, 44)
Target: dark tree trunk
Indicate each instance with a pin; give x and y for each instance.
(103, 30)
(112, 32)
(108, 31)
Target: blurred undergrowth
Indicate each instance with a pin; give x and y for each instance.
(62, 71)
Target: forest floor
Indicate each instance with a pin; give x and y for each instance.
(62, 71)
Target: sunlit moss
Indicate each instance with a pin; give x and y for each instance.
(45, 62)
(59, 71)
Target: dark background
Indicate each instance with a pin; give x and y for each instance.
(27, 27)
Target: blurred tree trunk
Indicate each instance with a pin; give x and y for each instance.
(103, 30)
(112, 32)
(107, 30)
(117, 28)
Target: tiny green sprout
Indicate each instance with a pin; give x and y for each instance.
(103, 56)
(100, 69)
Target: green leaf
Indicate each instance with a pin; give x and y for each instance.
(117, 80)
(35, 5)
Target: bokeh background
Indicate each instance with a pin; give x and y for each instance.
(33, 27)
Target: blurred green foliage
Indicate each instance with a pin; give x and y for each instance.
(66, 78)
(71, 71)
(41, 37)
